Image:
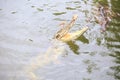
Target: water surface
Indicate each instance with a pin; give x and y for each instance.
(28, 52)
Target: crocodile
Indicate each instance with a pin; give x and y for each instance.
(55, 50)
(64, 35)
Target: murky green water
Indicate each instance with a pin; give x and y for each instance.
(28, 52)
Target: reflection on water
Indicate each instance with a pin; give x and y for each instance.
(27, 50)
(113, 41)
(74, 47)
(59, 13)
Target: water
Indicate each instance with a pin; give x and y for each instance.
(28, 52)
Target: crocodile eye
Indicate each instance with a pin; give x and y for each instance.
(57, 36)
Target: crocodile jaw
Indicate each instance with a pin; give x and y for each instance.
(74, 35)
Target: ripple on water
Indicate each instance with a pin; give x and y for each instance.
(25, 44)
